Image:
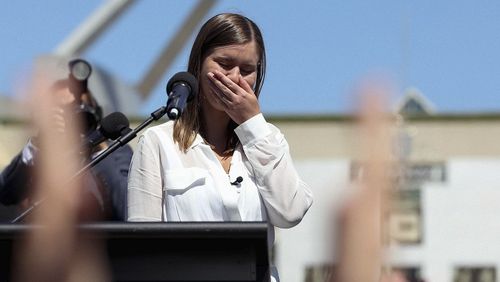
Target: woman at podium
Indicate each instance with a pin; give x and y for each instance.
(221, 160)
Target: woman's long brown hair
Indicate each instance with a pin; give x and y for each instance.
(220, 30)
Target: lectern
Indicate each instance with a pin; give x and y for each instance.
(226, 251)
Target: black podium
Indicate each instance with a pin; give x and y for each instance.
(171, 251)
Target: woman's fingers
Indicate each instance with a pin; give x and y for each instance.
(237, 98)
(229, 86)
(244, 84)
(217, 93)
(222, 89)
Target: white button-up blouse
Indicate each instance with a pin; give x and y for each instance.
(166, 184)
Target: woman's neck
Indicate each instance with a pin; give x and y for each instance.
(215, 129)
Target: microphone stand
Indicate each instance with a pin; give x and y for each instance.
(124, 139)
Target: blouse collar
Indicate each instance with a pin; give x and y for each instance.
(197, 141)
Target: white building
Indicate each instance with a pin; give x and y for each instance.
(445, 224)
(447, 219)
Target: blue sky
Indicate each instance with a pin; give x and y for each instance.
(317, 50)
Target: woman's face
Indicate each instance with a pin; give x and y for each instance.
(232, 61)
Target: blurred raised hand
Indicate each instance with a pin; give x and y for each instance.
(55, 251)
(362, 231)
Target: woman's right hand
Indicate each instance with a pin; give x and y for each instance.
(237, 98)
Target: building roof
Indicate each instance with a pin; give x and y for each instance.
(414, 103)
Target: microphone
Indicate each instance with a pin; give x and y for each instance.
(181, 88)
(79, 73)
(238, 181)
(112, 126)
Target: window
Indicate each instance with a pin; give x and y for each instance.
(405, 220)
(406, 274)
(475, 274)
(319, 273)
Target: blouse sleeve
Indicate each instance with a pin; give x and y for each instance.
(286, 197)
(144, 182)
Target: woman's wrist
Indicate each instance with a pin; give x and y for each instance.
(252, 129)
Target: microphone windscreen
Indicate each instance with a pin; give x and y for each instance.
(113, 124)
(187, 78)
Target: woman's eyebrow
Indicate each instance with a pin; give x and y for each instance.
(224, 57)
(230, 59)
(249, 65)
